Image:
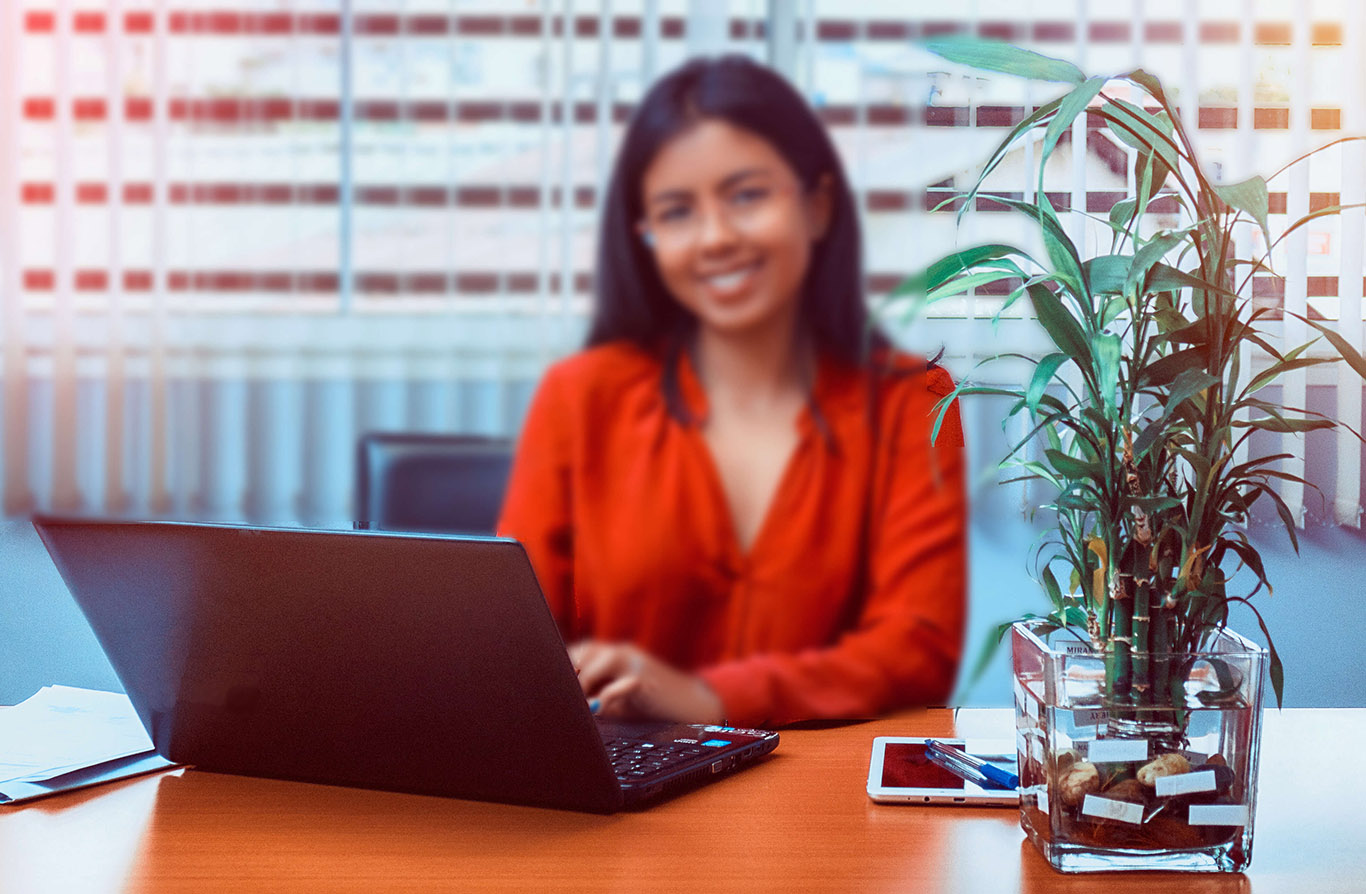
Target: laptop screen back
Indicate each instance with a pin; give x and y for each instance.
(409, 662)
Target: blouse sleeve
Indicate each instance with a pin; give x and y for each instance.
(537, 507)
(905, 644)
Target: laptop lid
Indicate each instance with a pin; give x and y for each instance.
(419, 663)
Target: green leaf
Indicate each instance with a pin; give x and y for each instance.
(1060, 325)
(1287, 519)
(1050, 586)
(1279, 367)
(1309, 218)
(1185, 386)
(1248, 195)
(995, 55)
(1151, 172)
(1073, 104)
(1164, 370)
(993, 642)
(1252, 559)
(1282, 425)
(946, 268)
(1106, 349)
(960, 285)
(1043, 374)
(1349, 353)
(1062, 252)
(1148, 256)
(1165, 278)
(1121, 213)
(1151, 505)
(1277, 669)
(1107, 273)
(1002, 150)
(1148, 133)
(1188, 384)
(1071, 466)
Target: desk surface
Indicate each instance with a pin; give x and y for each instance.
(800, 821)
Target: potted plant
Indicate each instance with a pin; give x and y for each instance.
(1138, 710)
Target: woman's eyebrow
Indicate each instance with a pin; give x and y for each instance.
(676, 195)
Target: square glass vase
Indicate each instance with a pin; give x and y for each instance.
(1163, 778)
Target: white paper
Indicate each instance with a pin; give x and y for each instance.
(1109, 808)
(1218, 814)
(1043, 798)
(1186, 783)
(1116, 751)
(62, 728)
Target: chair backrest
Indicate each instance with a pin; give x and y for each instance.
(430, 483)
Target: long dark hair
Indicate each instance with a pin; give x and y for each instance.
(632, 301)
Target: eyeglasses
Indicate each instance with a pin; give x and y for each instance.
(680, 223)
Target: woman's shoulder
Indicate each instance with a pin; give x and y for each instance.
(908, 374)
(602, 378)
(614, 364)
(912, 389)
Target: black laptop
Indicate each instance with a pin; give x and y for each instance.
(414, 663)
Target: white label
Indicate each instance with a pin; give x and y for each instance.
(1116, 751)
(1185, 783)
(1108, 808)
(1218, 815)
(1043, 798)
(1090, 716)
(1075, 647)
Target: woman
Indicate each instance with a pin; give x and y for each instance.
(731, 497)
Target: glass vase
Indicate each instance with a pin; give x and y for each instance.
(1165, 779)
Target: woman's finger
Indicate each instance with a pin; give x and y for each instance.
(617, 699)
(604, 664)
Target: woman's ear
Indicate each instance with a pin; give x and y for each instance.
(820, 206)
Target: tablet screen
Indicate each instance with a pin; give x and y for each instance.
(904, 765)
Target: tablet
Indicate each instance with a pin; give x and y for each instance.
(899, 772)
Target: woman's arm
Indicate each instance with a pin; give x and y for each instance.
(905, 644)
(537, 508)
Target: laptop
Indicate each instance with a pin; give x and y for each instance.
(408, 662)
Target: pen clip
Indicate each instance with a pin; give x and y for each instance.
(945, 758)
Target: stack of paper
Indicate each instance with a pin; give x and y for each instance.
(62, 737)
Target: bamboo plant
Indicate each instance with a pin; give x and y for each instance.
(1145, 399)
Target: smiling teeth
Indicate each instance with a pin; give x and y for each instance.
(730, 280)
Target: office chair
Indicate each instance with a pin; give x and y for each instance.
(430, 483)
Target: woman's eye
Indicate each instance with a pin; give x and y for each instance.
(750, 195)
(673, 214)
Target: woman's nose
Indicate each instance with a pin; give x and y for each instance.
(715, 228)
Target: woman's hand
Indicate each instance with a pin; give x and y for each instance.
(629, 682)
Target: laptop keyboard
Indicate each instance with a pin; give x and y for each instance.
(636, 761)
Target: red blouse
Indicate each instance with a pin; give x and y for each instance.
(852, 598)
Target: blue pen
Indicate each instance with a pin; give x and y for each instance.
(969, 767)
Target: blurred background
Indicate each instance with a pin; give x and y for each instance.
(237, 234)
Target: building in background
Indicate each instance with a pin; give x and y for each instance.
(233, 235)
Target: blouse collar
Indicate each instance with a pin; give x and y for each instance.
(838, 391)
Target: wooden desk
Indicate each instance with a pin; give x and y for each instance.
(798, 822)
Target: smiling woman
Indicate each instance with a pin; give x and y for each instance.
(732, 497)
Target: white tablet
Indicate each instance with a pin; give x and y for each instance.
(900, 773)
